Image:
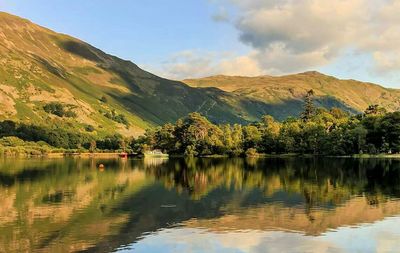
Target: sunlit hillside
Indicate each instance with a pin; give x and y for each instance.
(355, 95)
(39, 66)
(88, 90)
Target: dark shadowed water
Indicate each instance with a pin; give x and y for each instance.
(199, 205)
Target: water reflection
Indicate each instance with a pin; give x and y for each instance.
(197, 205)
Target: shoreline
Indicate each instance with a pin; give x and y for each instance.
(85, 154)
(117, 155)
(64, 155)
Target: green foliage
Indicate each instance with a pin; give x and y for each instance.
(120, 118)
(54, 136)
(252, 137)
(89, 128)
(325, 132)
(111, 142)
(11, 141)
(190, 151)
(17, 135)
(375, 110)
(251, 152)
(309, 108)
(59, 110)
(14, 146)
(93, 146)
(104, 99)
(146, 100)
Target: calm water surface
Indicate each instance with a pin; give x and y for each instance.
(199, 205)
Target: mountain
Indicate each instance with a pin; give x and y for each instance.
(287, 92)
(39, 67)
(47, 78)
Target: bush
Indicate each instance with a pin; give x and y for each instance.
(11, 141)
(104, 99)
(251, 152)
(70, 114)
(89, 128)
(111, 142)
(54, 136)
(120, 118)
(58, 109)
(190, 151)
(235, 153)
(17, 147)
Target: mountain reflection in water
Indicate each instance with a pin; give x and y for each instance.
(199, 205)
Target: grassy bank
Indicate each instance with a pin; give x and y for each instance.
(14, 147)
(23, 152)
(377, 156)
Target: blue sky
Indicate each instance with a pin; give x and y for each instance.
(193, 38)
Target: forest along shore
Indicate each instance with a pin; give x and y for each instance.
(317, 131)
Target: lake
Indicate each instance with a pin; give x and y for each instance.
(199, 205)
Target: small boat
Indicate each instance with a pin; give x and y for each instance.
(155, 154)
(101, 167)
(123, 155)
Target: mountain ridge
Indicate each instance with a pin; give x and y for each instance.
(355, 94)
(108, 94)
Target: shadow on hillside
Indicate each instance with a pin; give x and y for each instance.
(81, 49)
(218, 106)
(159, 100)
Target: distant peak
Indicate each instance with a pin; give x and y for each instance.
(221, 76)
(312, 73)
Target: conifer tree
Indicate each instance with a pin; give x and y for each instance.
(309, 108)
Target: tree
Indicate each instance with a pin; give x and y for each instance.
(110, 142)
(270, 132)
(164, 138)
(104, 99)
(252, 137)
(390, 127)
(289, 136)
(196, 131)
(313, 136)
(251, 152)
(309, 108)
(338, 113)
(89, 128)
(119, 118)
(59, 110)
(92, 147)
(54, 108)
(374, 110)
(358, 136)
(326, 132)
(227, 138)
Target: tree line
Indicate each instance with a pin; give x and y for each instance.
(317, 131)
(58, 137)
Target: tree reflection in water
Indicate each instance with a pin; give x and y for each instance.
(67, 205)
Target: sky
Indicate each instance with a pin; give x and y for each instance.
(178, 39)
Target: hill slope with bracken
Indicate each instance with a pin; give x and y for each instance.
(51, 78)
(39, 67)
(354, 95)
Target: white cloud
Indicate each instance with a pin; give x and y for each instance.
(286, 36)
(197, 63)
(294, 35)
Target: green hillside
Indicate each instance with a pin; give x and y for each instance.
(287, 92)
(48, 78)
(39, 66)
